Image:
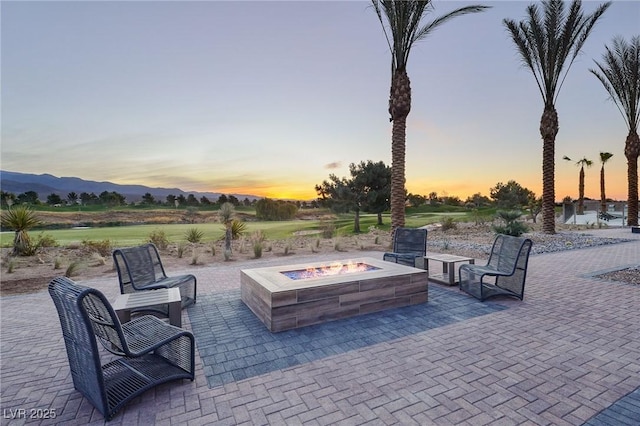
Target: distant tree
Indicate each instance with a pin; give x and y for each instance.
(53, 199)
(112, 198)
(477, 200)
(548, 42)
(148, 199)
(535, 206)
(368, 189)
(246, 202)
(7, 199)
(233, 200)
(338, 194)
(511, 196)
(222, 199)
(583, 162)
(451, 200)
(88, 199)
(416, 200)
(604, 157)
(433, 198)
(72, 198)
(620, 76)
(268, 209)
(29, 197)
(192, 200)
(372, 184)
(182, 200)
(205, 201)
(171, 200)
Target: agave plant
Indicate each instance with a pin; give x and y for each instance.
(20, 219)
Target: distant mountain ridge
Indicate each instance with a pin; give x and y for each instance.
(45, 184)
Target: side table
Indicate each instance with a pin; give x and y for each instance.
(448, 261)
(125, 303)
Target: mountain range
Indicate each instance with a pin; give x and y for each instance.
(46, 184)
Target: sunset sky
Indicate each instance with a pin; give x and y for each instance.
(269, 98)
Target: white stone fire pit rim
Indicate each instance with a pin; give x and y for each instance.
(272, 279)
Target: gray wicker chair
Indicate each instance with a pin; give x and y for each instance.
(149, 351)
(506, 267)
(140, 268)
(409, 244)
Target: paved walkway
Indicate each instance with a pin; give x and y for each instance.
(569, 351)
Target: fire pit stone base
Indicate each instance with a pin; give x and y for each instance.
(282, 303)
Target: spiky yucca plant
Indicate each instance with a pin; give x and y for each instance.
(20, 219)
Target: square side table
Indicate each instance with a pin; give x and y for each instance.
(125, 303)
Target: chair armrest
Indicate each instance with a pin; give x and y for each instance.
(148, 333)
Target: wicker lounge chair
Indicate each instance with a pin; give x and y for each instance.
(140, 268)
(149, 352)
(506, 267)
(409, 244)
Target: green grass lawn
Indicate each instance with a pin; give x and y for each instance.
(121, 236)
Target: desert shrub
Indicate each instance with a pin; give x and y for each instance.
(46, 240)
(194, 235)
(182, 246)
(159, 239)
(257, 240)
(20, 219)
(103, 247)
(213, 249)
(57, 263)
(512, 226)
(327, 228)
(11, 265)
(268, 209)
(195, 257)
(238, 228)
(448, 223)
(73, 269)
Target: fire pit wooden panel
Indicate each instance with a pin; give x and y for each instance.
(282, 303)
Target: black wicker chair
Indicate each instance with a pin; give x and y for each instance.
(409, 244)
(506, 267)
(140, 268)
(149, 351)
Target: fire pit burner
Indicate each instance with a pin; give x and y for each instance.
(283, 303)
(336, 268)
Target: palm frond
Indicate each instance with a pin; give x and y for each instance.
(620, 76)
(550, 38)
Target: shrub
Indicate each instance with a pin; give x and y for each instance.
(511, 225)
(257, 240)
(46, 240)
(20, 219)
(181, 248)
(194, 235)
(73, 269)
(327, 228)
(103, 247)
(238, 228)
(57, 263)
(448, 223)
(159, 239)
(195, 257)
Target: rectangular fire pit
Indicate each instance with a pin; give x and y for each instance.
(313, 296)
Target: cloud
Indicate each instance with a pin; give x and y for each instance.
(334, 165)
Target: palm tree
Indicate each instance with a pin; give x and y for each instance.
(404, 27)
(620, 76)
(604, 157)
(546, 40)
(581, 163)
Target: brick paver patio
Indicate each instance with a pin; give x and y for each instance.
(569, 351)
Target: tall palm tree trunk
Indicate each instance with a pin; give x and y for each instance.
(399, 108)
(603, 195)
(581, 192)
(631, 151)
(548, 131)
